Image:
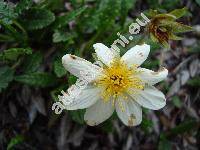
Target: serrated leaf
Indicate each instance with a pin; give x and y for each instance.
(107, 12)
(78, 116)
(6, 76)
(66, 18)
(102, 16)
(178, 13)
(32, 62)
(7, 13)
(61, 36)
(23, 5)
(37, 79)
(36, 18)
(14, 53)
(59, 69)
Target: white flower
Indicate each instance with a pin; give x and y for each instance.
(120, 85)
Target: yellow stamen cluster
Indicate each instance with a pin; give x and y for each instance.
(118, 78)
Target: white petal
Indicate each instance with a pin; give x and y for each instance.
(150, 77)
(128, 111)
(84, 99)
(75, 65)
(150, 98)
(136, 55)
(104, 53)
(98, 112)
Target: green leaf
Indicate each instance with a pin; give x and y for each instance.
(72, 79)
(35, 18)
(23, 5)
(146, 125)
(107, 12)
(176, 101)
(107, 126)
(66, 18)
(6, 76)
(177, 27)
(53, 5)
(14, 141)
(198, 2)
(164, 144)
(195, 82)
(102, 16)
(174, 37)
(59, 69)
(32, 62)
(178, 13)
(126, 5)
(14, 53)
(7, 13)
(37, 79)
(78, 116)
(183, 127)
(195, 49)
(61, 36)
(12, 34)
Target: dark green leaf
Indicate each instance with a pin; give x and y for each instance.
(35, 18)
(183, 127)
(59, 69)
(78, 116)
(146, 125)
(6, 76)
(176, 101)
(107, 126)
(108, 11)
(102, 16)
(7, 13)
(126, 5)
(14, 53)
(61, 36)
(195, 49)
(23, 5)
(37, 79)
(178, 13)
(194, 82)
(66, 18)
(12, 34)
(14, 141)
(72, 79)
(198, 2)
(32, 62)
(164, 144)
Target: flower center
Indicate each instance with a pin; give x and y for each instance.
(118, 79)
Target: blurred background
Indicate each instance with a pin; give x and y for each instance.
(35, 34)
